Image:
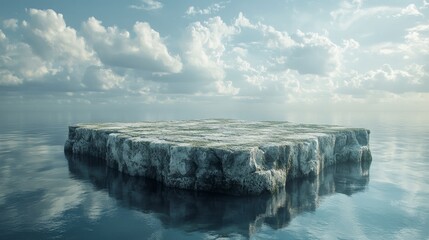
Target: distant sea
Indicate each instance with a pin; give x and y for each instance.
(47, 195)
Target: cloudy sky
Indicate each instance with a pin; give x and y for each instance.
(352, 53)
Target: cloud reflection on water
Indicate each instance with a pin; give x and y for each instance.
(219, 214)
(35, 191)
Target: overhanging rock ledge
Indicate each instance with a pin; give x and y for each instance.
(218, 155)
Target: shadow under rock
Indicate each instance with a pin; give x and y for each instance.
(219, 214)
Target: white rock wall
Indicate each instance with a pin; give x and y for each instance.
(251, 170)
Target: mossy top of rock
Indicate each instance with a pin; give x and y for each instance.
(218, 133)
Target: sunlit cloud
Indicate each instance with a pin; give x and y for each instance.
(147, 5)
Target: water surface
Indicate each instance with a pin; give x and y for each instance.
(46, 195)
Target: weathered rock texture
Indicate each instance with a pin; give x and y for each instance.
(231, 156)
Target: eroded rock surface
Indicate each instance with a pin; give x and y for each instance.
(230, 156)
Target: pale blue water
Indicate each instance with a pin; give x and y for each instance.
(44, 195)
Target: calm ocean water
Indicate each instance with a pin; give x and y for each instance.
(47, 195)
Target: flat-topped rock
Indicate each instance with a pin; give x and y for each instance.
(230, 156)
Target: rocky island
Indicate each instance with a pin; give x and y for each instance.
(228, 156)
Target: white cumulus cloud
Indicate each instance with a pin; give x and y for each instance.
(51, 38)
(274, 38)
(415, 43)
(50, 51)
(314, 54)
(97, 78)
(412, 78)
(10, 23)
(148, 5)
(205, 51)
(2, 35)
(214, 8)
(145, 50)
(411, 10)
(351, 12)
(44, 54)
(206, 46)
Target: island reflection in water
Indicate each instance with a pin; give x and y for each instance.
(219, 213)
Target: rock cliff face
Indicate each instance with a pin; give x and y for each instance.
(230, 156)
